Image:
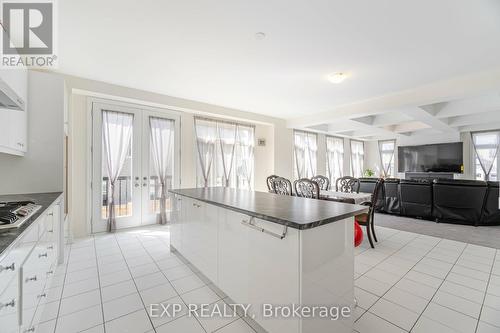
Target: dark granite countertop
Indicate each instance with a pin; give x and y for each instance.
(295, 212)
(8, 236)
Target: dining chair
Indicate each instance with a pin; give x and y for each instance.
(282, 186)
(269, 182)
(367, 219)
(323, 182)
(306, 188)
(347, 184)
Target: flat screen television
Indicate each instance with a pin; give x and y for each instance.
(443, 157)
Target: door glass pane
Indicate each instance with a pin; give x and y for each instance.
(123, 187)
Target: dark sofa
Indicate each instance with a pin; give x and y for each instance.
(491, 211)
(416, 198)
(392, 202)
(459, 201)
(443, 200)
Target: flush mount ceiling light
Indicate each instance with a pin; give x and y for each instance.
(337, 77)
(260, 35)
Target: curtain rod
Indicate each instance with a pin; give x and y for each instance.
(486, 131)
(335, 137)
(306, 132)
(217, 120)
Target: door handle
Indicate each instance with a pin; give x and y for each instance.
(11, 267)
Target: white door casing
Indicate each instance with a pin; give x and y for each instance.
(137, 176)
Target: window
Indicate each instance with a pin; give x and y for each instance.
(225, 153)
(386, 150)
(305, 150)
(486, 146)
(334, 158)
(357, 158)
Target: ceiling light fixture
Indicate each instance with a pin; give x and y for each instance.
(337, 77)
(260, 35)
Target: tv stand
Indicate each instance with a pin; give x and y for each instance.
(429, 175)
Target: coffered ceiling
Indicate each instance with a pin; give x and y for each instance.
(210, 52)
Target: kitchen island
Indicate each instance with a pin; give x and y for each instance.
(267, 250)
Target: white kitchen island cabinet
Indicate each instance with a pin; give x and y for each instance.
(264, 250)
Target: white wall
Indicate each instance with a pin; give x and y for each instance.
(275, 157)
(41, 169)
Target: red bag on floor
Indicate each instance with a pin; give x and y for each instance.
(358, 234)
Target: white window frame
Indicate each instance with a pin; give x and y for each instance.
(310, 154)
(475, 161)
(352, 157)
(392, 166)
(217, 164)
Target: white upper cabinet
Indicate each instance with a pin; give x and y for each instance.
(13, 123)
(17, 80)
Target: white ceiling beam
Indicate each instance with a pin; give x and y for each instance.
(359, 126)
(486, 82)
(419, 114)
(481, 127)
(478, 104)
(475, 119)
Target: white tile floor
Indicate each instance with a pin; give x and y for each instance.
(408, 283)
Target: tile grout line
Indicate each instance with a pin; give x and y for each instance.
(62, 288)
(367, 310)
(135, 284)
(430, 301)
(99, 284)
(138, 291)
(170, 283)
(486, 292)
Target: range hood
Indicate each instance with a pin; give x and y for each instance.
(9, 99)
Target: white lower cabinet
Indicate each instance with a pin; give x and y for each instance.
(261, 263)
(176, 224)
(25, 273)
(273, 274)
(194, 235)
(233, 247)
(260, 268)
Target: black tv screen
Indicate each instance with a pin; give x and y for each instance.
(443, 157)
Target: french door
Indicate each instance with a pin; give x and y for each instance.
(137, 189)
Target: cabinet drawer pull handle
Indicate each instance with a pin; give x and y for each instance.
(196, 205)
(42, 295)
(250, 224)
(51, 230)
(51, 247)
(50, 272)
(31, 329)
(50, 214)
(30, 279)
(41, 255)
(11, 267)
(12, 303)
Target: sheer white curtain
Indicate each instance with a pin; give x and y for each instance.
(334, 158)
(227, 143)
(116, 138)
(305, 154)
(357, 158)
(162, 137)
(230, 158)
(386, 150)
(206, 136)
(486, 145)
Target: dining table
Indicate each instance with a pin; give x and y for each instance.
(357, 198)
